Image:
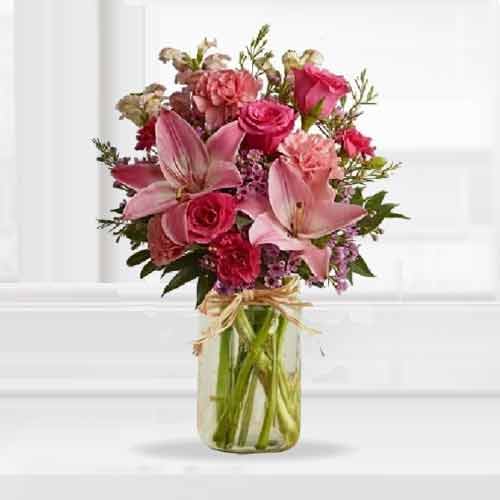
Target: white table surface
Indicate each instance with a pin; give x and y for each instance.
(351, 447)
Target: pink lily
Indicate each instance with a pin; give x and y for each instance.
(299, 215)
(188, 169)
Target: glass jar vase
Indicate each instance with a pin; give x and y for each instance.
(249, 395)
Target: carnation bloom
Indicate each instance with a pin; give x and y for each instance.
(238, 261)
(188, 169)
(314, 156)
(299, 214)
(146, 136)
(313, 85)
(220, 94)
(354, 143)
(162, 249)
(266, 123)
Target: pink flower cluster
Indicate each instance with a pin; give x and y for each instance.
(229, 174)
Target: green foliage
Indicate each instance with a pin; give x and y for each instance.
(256, 53)
(378, 211)
(242, 221)
(148, 268)
(108, 153)
(190, 259)
(183, 276)
(360, 267)
(138, 258)
(205, 283)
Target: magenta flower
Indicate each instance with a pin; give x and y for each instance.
(188, 169)
(313, 85)
(298, 215)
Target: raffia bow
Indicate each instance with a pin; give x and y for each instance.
(223, 309)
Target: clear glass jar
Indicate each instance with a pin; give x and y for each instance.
(249, 384)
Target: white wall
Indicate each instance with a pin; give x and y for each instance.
(436, 67)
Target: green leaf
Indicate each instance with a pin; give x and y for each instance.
(321, 242)
(138, 258)
(375, 201)
(185, 275)
(394, 215)
(187, 260)
(148, 269)
(360, 267)
(204, 285)
(137, 231)
(357, 197)
(242, 221)
(349, 276)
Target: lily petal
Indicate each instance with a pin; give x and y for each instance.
(183, 156)
(287, 191)
(224, 144)
(174, 223)
(318, 260)
(325, 216)
(138, 175)
(319, 183)
(254, 205)
(221, 175)
(155, 198)
(267, 229)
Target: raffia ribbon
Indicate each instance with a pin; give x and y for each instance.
(223, 309)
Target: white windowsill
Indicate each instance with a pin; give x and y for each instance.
(122, 339)
(351, 448)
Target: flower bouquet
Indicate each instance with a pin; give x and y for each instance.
(248, 181)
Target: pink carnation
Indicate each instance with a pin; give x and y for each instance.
(311, 154)
(162, 249)
(220, 94)
(238, 261)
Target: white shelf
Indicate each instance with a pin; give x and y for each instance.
(351, 448)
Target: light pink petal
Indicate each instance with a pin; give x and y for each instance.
(267, 229)
(183, 156)
(201, 103)
(319, 184)
(325, 216)
(224, 144)
(318, 260)
(287, 191)
(221, 175)
(153, 199)
(174, 223)
(138, 175)
(254, 205)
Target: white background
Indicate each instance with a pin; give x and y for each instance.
(72, 315)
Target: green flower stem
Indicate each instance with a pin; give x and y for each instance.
(272, 400)
(285, 403)
(224, 376)
(247, 410)
(231, 416)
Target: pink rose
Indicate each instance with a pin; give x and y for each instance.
(162, 249)
(266, 123)
(312, 84)
(354, 143)
(220, 94)
(209, 216)
(238, 261)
